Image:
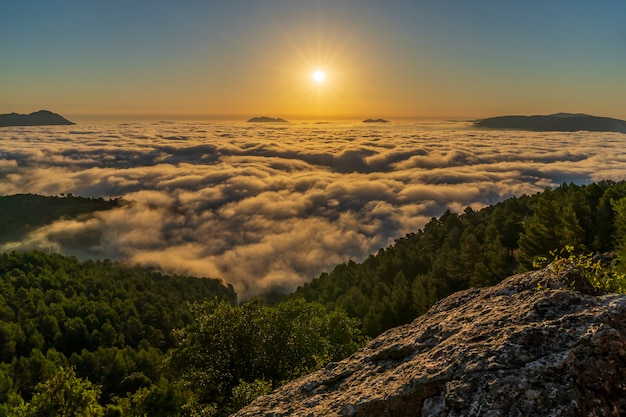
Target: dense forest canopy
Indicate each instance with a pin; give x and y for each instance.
(111, 323)
(131, 341)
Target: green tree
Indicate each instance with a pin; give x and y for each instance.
(161, 400)
(619, 207)
(605, 227)
(30, 370)
(553, 225)
(245, 392)
(10, 336)
(9, 397)
(63, 395)
(423, 293)
(494, 263)
(231, 346)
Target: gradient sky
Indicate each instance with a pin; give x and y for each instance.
(388, 59)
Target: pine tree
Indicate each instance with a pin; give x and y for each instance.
(553, 225)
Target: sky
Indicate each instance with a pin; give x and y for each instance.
(245, 58)
(270, 207)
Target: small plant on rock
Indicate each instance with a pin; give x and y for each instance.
(584, 272)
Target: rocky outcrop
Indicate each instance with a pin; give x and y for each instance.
(265, 119)
(529, 346)
(562, 122)
(39, 118)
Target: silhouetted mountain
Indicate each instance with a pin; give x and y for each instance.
(375, 121)
(563, 122)
(39, 118)
(265, 119)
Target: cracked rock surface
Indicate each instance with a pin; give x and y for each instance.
(529, 346)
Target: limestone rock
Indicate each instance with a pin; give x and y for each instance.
(529, 346)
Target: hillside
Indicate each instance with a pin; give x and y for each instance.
(22, 213)
(530, 345)
(472, 249)
(111, 322)
(39, 118)
(563, 122)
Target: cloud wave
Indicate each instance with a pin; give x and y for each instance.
(272, 207)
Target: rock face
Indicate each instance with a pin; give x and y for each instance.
(529, 346)
(265, 119)
(39, 118)
(564, 122)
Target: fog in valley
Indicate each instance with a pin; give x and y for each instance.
(268, 207)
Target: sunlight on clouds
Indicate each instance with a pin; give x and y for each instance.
(267, 207)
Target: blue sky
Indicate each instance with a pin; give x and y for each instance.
(382, 58)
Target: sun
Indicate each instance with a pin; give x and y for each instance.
(319, 76)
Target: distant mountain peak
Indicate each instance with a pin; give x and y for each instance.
(559, 122)
(38, 118)
(265, 119)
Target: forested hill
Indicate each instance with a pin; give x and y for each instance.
(22, 213)
(112, 323)
(472, 249)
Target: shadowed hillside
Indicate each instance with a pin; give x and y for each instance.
(23, 213)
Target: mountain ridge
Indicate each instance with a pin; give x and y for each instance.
(38, 118)
(266, 119)
(561, 122)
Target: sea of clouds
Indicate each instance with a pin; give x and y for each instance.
(268, 207)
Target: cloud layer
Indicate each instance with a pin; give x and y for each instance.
(271, 207)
